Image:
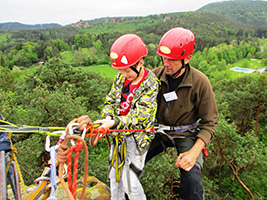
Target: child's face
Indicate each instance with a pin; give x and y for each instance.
(129, 74)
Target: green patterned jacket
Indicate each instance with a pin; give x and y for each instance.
(142, 112)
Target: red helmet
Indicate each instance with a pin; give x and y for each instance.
(177, 43)
(126, 51)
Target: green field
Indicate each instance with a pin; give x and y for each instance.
(104, 70)
(244, 63)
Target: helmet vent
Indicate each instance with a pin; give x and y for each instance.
(181, 44)
(124, 60)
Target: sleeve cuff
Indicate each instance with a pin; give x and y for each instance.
(116, 122)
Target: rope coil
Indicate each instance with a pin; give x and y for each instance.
(119, 153)
(62, 157)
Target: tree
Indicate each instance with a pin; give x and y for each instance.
(221, 65)
(51, 95)
(245, 63)
(78, 58)
(246, 101)
(81, 40)
(7, 82)
(29, 50)
(48, 53)
(242, 156)
(98, 45)
(57, 75)
(61, 45)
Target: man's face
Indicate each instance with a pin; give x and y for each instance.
(171, 66)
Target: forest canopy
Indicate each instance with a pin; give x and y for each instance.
(50, 76)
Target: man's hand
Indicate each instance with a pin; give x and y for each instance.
(188, 159)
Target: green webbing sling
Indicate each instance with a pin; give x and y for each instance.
(9, 127)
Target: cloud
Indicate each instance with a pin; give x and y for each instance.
(70, 11)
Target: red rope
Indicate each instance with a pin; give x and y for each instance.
(62, 158)
(73, 182)
(91, 132)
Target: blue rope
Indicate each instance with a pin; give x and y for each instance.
(53, 154)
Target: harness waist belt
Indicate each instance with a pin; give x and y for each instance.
(160, 129)
(183, 128)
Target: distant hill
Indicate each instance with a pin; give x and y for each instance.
(103, 20)
(212, 24)
(248, 12)
(12, 26)
(231, 15)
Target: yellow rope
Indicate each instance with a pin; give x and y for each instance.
(13, 152)
(119, 154)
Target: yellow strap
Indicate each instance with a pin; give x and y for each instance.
(6, 126)
(115, 154)
(13, 152)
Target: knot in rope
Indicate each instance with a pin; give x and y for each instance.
(102, 130)
(97, 134)
(62, 153)
(77, 147)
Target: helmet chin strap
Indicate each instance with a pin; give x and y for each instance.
(135, 70)
(176, 74)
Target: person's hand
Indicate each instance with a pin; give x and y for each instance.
(83, 121)
(186, 160)
(106, 123)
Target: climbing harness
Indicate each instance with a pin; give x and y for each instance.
(193, 127)
(119, 148)
(161, 128)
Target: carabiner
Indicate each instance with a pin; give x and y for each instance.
(61, 138)
(71, 128)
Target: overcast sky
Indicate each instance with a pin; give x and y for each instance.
(70, 11)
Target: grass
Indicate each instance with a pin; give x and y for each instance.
(67, 56)
(103, 70)
(245, 63)
(229, 74)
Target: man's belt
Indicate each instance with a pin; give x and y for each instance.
(161, 128)
(183, 128)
